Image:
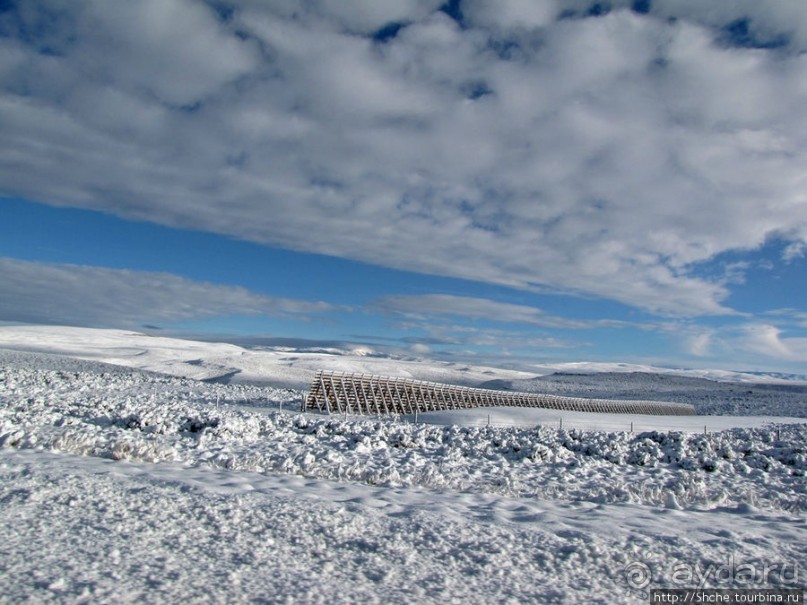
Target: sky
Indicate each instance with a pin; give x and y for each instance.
(507, 182)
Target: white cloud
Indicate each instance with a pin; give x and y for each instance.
(425, 306)
(595, 155)
(369, 16)
(420, 349)
(501, 341)
(95, 296)
(175, 50)
(751, 344)
(767, 340)
(435, 315)
(794, 251)
(767, 22)
(699, 343)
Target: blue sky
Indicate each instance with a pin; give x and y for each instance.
(503, 182)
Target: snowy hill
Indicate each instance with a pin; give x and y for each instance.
(281, 366)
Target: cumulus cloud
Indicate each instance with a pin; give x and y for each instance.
(534, 145)
(95, 296)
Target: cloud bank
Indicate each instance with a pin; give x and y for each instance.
(600, 148)
(94, 296)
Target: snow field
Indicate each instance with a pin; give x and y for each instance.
(152, 418)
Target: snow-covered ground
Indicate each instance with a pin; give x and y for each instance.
(87, 529)
(122, 485)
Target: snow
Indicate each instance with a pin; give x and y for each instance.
(124, 485)
(280, 366)
(588, 421)
(93, 530)
(293, 368)
(586, 367)
(709, 397)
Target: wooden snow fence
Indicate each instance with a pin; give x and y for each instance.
(343, 393)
